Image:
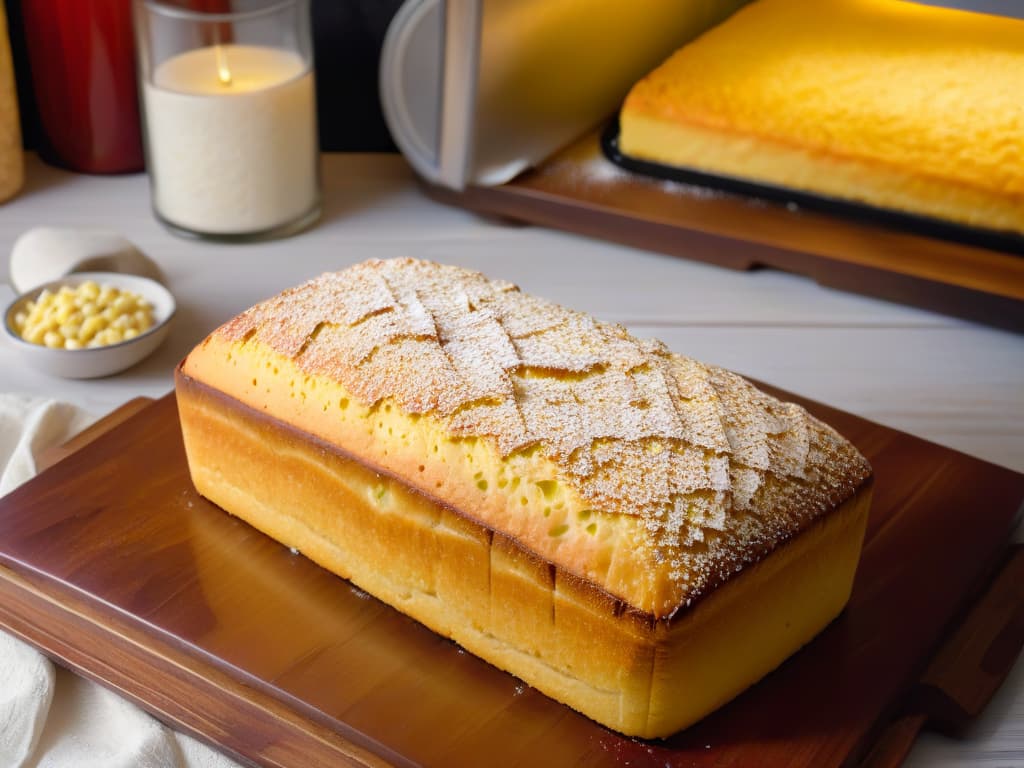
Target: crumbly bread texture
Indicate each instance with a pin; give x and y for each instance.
(526, 466)
(893, 104)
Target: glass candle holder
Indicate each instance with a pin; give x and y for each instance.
(229, 116)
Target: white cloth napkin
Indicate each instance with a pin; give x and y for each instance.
(49, 717)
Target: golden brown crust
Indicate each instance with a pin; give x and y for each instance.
(636, 534)
(191, 391)
(649, 474)
(557, 632)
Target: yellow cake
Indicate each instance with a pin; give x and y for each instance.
(634, 533)
(884, 102)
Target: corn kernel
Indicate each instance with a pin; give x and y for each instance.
(63, 313)
(89, 315)
(89, 290)
(90, 327)
(124, 303)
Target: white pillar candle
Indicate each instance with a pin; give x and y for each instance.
(232, 145)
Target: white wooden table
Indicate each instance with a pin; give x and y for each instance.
(952, 382)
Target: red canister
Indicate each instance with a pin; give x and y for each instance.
(82, 58)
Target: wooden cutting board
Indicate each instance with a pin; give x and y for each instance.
(114, 566)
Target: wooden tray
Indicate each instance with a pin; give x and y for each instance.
(114, 566)
(579, 190)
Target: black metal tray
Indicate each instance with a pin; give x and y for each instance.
(1008, 242)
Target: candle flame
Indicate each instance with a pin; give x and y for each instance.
(223, 71)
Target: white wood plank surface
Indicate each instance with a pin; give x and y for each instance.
(953, 382)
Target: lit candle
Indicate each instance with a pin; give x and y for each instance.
(232, 144)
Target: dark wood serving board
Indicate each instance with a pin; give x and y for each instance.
(114, 566)
(581, 191)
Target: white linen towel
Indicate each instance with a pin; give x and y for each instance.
(49, 717)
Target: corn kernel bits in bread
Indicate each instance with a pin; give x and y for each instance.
(634, 533)
(86, 316)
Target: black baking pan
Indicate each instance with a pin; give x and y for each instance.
(1009, 242)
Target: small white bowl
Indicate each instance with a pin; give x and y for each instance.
(90, 363)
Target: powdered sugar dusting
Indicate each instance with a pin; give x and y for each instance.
(719, 472)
